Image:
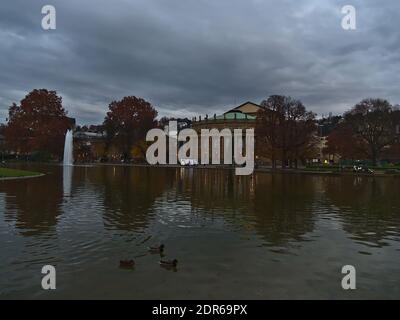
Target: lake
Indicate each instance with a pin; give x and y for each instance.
(265, 236)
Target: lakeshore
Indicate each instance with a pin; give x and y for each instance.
(321, 170)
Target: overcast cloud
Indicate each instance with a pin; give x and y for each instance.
(190, 57)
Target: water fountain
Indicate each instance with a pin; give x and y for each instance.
(68, 163)
(68, 149)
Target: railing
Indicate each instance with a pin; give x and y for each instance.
(215, 119)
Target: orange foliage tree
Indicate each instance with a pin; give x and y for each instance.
(127, 124)
(373, 122)
(38, 124)
(342, 142)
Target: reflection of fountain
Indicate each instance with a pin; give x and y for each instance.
(68, 149)
(67, 179)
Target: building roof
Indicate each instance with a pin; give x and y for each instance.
(246, 111)
(246, 107)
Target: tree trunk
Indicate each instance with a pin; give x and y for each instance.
(374, 157)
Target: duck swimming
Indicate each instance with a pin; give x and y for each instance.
(157, 249)
(169, 263)
(126, 263)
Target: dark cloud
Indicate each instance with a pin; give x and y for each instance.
(192, 57)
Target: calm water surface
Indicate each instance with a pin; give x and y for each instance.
(259, 237)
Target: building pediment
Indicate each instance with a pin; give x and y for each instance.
(246, 108)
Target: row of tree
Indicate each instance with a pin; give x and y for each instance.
(369, 130)
(39, 123)
(285, 130)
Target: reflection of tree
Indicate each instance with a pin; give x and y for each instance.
(215, 189)
(34, 204)
(279, 207)
(283, 206)
(369, 207)
(129, 194)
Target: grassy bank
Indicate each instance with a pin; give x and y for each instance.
(14, 173)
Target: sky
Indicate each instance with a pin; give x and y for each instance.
(197, 57)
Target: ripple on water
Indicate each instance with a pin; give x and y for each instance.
(272, 235)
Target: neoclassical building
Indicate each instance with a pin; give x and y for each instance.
(241, 117)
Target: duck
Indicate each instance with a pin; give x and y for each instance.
(157, 249)
(126, 263)
(169, 263)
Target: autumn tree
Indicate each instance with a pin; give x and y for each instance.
(393, 152)
(302, 133)
(373, 123)
(285, 130)
(37, 124)
(2, 144)
(164, 121)
(127, 123)
(341, 142)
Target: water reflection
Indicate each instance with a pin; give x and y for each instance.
(67, 180)
(224, 228)
(279, 208)
(284, 207)
(276, 207)
(369, 207)
(215, 190)
(33, 205)
(129, 194)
